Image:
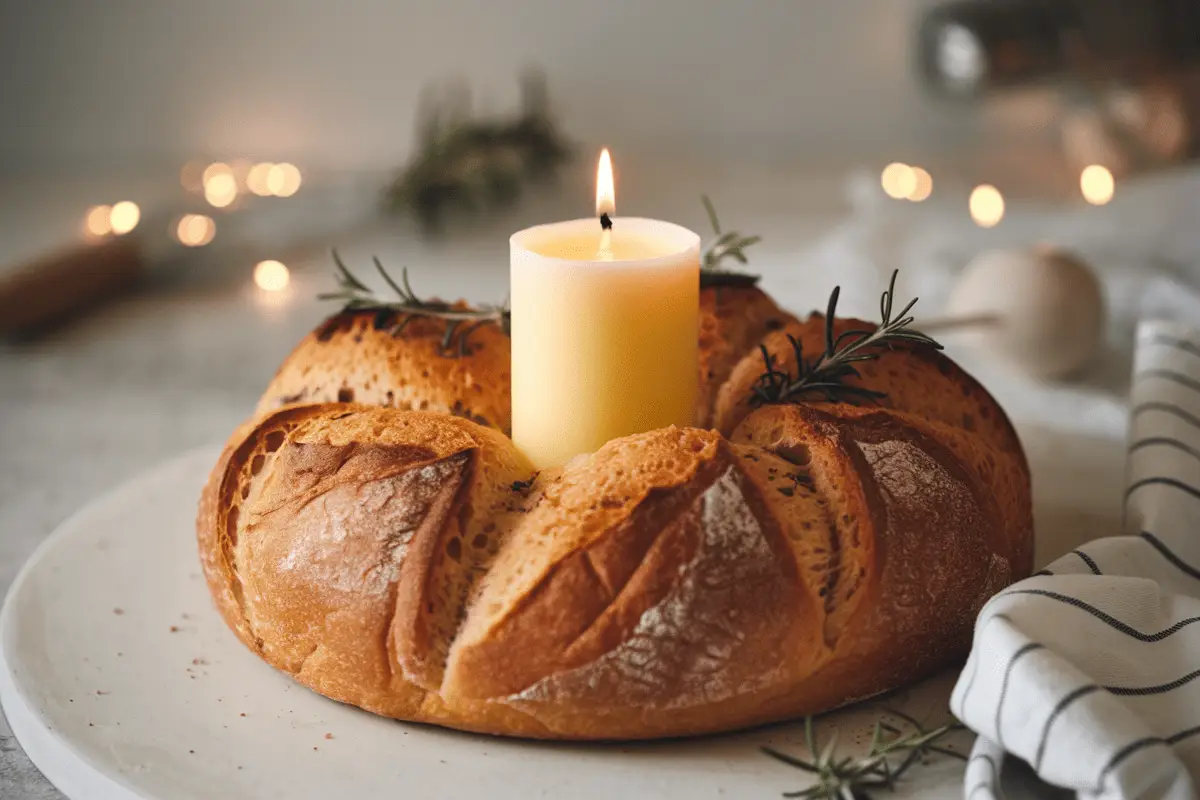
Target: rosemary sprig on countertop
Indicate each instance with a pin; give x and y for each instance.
(395, 315)
(891, 755)
(728, 245)
(827, 374)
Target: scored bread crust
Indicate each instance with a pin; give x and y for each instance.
(365, 356)
(790, 560)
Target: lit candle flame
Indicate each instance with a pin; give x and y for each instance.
(606, 203)
(606, 195)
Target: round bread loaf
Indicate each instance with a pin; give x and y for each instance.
(769, 562)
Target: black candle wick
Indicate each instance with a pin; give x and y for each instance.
(606, 221)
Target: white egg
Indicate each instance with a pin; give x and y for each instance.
(1047, 303)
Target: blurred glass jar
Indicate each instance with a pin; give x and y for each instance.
(1126, 72)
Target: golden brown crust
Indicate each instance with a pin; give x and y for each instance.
(675, 582)
(916, 380)
(732, 322)
(220, 505)
(910, 581)
(363, 357)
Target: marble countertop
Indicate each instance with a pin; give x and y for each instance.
(178, 365)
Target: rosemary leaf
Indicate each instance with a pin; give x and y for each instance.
(827, 374)
(396, 314)
(790, 760)
(388, 278)
(850, 777)
(712, 213)
(726, 245)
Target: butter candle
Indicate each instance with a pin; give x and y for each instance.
(604, 331)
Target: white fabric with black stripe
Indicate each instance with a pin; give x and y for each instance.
(1089, 671)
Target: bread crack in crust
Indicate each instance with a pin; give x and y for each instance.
(398, 553)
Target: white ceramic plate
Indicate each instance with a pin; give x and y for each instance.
(121, 682)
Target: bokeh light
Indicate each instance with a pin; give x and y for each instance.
(98, 220)
(987, 206)
(195, 230)
(221, 189)
(256, 178)
(191, 176)
(271, 276)
(898, 180)
(214, 169)
(1097, 184)
(922, 185)
(124, 217)
(283, 180)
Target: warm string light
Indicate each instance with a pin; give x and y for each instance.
(221, 182)
(124, 217)
(904, 182)
(922, 186)
(98, 220)
(271, 276)
(220, 190)
(898, 180)
(213, 170)
(987, 206)
(256, 178)
(283, 180)
(1097, 184)
(195, 230)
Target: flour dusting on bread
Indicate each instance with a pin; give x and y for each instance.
(923, 495)
(683, 651)
(382, 516)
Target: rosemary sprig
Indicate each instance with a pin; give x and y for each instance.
(891, 755)
(395, 315)
(826, 375)
(727, 245)
(469, 164)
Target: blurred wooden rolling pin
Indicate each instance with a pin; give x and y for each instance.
(50, 289)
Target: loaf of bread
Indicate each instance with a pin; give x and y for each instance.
(767, 563)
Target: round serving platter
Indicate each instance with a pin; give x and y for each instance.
(120, 681)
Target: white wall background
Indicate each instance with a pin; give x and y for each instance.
(110, 82)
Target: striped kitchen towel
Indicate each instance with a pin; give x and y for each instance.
(1089, 671)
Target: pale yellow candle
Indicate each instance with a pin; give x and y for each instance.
(601, 348)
